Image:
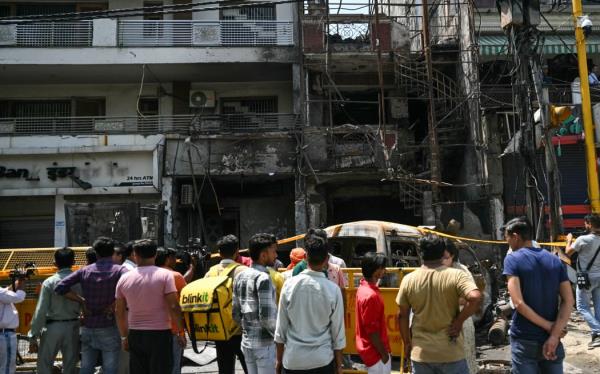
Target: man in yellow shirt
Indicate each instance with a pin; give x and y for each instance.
(227, 350)
(433, 293)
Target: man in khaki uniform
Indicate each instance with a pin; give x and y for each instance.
(433, 293)
(227, 350)
(56, 320)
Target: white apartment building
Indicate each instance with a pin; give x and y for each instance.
(161, 125)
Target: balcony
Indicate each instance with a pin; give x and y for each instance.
(147, 42)
(134, 33)
(47, 34)
(356, 33)
(177, 124)
(205, 33)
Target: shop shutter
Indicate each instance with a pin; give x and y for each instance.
(27, 232)
(572, 166)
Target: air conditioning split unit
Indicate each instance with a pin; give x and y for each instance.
(202, 99)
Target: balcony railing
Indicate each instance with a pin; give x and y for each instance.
(498, 95)
(182, 124)
(148, 33)
(47, 34)
(183, 33)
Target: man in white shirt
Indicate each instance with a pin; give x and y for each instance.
(310, 321)
(124, 256)
(9, 321)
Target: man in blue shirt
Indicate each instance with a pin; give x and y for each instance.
(535, 280)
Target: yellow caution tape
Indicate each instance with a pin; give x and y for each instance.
(426, 230)
(498, 242)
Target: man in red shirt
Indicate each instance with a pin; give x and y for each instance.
(371, 334)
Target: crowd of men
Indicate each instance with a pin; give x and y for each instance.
(122, 310)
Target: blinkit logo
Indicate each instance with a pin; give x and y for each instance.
(199, 298)
(211, 329)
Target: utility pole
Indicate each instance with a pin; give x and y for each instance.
(519, 36)
(553, 177)
(586, 108)
(434, 149)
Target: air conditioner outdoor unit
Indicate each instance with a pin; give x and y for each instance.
(202, 99)
(187, 194)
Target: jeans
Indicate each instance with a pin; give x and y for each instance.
(150, 351)
(584, 307)
(322, 370)
(260, 360)
(104, 341)
(8, 352)
(177, 353)
(226, 352)
(527, 358)
(457, 367)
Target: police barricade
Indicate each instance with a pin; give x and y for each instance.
(389, 291)
(43, 258)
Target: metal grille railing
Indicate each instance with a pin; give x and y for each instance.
(149, 124)
(184, 33)
(55, 34)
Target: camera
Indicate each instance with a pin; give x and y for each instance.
(194, 251)
(23, 271)
(586, 25)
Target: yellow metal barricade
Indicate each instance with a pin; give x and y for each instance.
(395, 275)
(44, 260)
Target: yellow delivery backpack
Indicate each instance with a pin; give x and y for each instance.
(206, 305)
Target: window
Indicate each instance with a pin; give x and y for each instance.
(81, 107)
(45, 9)
(249, 33)
(148, 106)
(254, 13)
(58, 108)
(35, 116)
(149, 109)
(5, 11)
(90, 107)
(241, 113)
(152, 14)
(266, 104)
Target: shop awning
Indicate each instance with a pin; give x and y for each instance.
(493, 45)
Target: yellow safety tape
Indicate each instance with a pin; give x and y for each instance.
(426, 230)
(500, 242)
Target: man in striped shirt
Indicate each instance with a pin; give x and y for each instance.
(254, 307)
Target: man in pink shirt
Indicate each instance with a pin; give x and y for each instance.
(146, 303)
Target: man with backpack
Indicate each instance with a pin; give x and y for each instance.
(227, 350)
(254, 307)
(588, 271)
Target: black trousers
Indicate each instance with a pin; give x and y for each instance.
(329, 369)
(226, 352)
(150, 351)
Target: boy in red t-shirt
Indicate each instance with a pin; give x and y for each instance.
(371, 334)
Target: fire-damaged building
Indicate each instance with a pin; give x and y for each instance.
(253, 118)
(384, 125)
(195, 122)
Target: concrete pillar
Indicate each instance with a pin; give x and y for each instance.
(497, 209)
(297, 85)
(428, 212)
(60, 227)
(168, 198)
